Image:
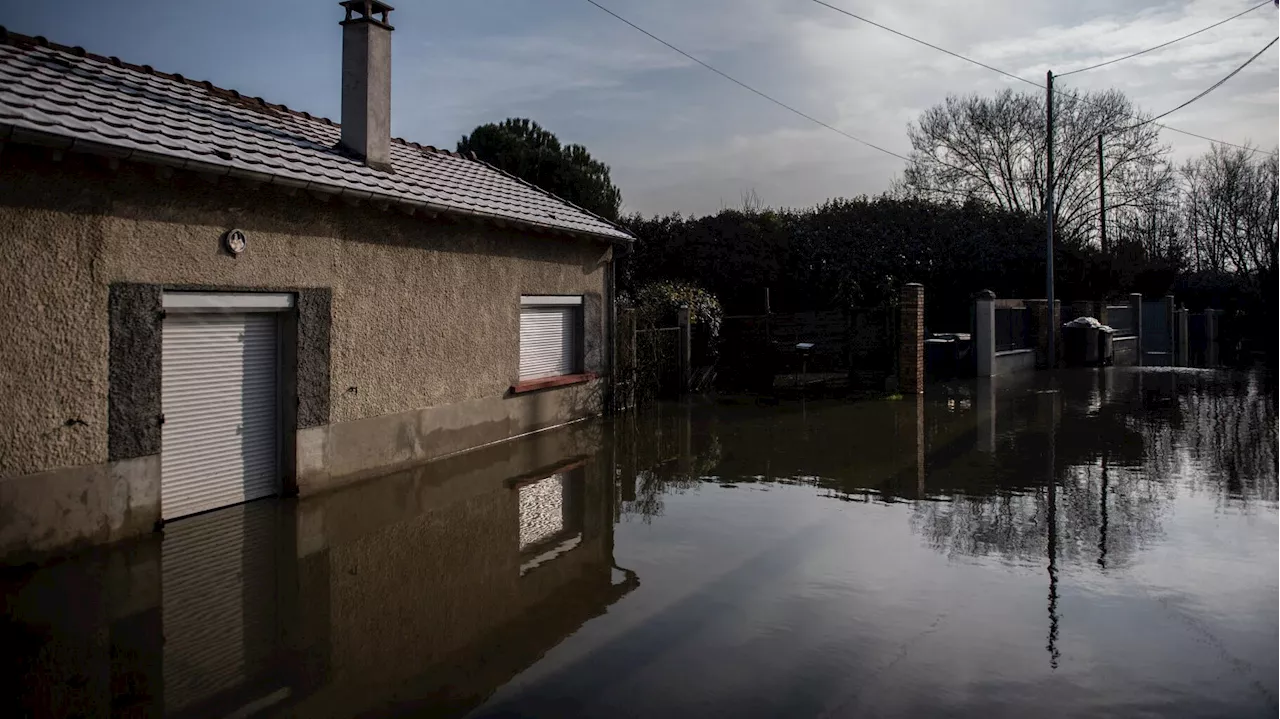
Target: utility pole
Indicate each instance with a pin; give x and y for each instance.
(1048, 214)
(1102, 199)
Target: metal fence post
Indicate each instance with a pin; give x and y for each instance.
(1211, 336)
(625, 372)
(686, 348)
(1135, 310)
(1182, 335)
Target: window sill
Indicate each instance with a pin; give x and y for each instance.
(534, 385)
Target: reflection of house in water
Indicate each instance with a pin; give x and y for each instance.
(420, 592)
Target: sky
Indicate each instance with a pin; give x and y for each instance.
(678, 137)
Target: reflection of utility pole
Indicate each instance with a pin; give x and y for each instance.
(1052, 646)
(1102, 537)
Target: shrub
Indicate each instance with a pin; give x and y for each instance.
(657, 302)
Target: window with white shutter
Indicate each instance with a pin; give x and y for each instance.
(550, 329)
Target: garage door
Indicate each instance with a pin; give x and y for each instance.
(219, 395)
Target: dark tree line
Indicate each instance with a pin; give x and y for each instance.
(966, 215)
(859, 252)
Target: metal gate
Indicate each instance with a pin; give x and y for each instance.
(219, 395)
(1157, 335)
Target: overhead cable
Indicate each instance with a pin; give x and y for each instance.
(1013, 76)
(1207, 90)
(1165, 44)
(744, 85)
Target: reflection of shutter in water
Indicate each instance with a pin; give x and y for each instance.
(542, 510)
(218, 576)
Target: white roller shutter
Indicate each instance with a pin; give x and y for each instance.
(548, 341)
(219, 439)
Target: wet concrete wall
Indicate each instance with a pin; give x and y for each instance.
(423, 314)
(1125, 352)
(1013, 361)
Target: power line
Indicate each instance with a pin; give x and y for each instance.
(744, 85)
(1217, 142)
(1207, 90)
(865, 142)
(925, 43)
(1011, 75)
(1166, 44)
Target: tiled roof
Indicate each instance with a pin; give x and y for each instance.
(65, 96)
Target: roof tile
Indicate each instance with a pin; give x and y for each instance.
(63, 92)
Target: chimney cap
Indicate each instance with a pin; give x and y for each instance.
(365, 11)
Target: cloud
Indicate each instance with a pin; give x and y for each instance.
(680, 138)
(677, 136)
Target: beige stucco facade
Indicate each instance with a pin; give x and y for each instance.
(423, 343)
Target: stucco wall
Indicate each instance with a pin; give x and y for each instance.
(53, 318)
(425, 312)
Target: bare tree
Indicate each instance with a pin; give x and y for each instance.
(1230, 211)
(751, 202)
(993, 149)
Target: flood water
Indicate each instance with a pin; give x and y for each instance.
(1089, 543)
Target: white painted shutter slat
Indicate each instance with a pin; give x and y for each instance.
(219, 397)
(548, 341)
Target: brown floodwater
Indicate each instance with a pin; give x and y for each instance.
(1086, 543)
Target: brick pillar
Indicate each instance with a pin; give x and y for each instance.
(1135, 307)
(911, 339)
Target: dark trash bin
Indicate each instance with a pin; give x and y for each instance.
(1079, 344)
(940, 357)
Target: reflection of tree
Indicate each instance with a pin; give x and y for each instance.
(1224, 439)
(660, 454)
(1117, 470)
(1013, 524)
(651, 486)
(1002, 510)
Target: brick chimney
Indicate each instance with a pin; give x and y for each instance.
(366, 82)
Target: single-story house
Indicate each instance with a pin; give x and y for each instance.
(206, 298)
